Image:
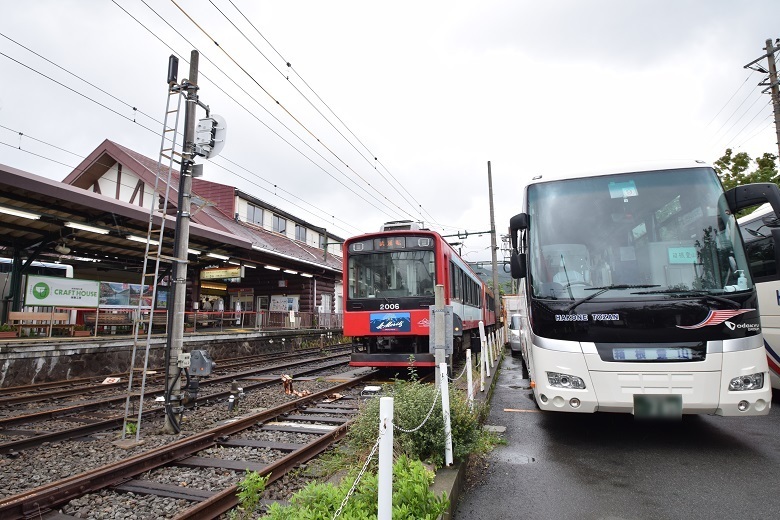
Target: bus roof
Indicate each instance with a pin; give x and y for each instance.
(624, 168)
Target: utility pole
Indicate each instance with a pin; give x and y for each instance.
(772, 86)
(174, 341)
(770, 54)
(493, 246)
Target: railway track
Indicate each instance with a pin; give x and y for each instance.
(231, 446)
(108, 413)
(54, 390)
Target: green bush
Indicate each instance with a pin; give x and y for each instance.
(412, 402)
(412, 498)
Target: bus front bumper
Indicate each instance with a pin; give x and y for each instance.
(668, 389)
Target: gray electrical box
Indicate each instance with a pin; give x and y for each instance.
(201, 363)
(448, 329)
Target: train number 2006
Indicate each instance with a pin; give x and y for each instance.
(389, 306)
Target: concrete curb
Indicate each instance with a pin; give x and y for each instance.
(450, 480)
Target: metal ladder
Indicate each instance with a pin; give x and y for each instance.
(154, 236)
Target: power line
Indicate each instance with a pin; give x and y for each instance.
(252, 114)
(114, 111)
(283, 107)
(729, 101)
(289, 65)
(76, 168)
(746, 125)
(101, 105)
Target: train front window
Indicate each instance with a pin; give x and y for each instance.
(391, 274)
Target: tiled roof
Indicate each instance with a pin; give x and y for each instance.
(219, 215)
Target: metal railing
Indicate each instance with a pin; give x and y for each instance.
(121, 320)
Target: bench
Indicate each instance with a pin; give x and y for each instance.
(204, 319)
(48, 321)
(159, 320)
(108, 319)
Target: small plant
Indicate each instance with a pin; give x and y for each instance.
(249, 491)
(6, 328)
(412, 402)
(412, 497)
(131, 428)
(413, 376)
(79, 327)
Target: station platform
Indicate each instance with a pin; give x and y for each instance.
(25, 361)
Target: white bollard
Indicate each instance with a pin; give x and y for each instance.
(469, 380)
(445, 410)
(484, 346)
(385, 474)
(481, 371)
(492, 347)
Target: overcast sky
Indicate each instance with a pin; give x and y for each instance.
(432, 89)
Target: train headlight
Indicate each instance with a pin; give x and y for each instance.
(559, 380)
(751, 382)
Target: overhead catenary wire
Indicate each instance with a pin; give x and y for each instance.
(393, 185)
(105, 106)
(252, 114)
(76, 168)
(128, 118)
(284, 108)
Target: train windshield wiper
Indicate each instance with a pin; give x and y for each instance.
(602, 290)
(693, 292)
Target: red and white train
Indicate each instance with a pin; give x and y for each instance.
(389, 280)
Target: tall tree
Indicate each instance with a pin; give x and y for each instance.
(733, 169)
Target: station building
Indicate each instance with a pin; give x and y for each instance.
(243, 251)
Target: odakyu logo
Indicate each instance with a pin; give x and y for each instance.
(718, 318)
(753, 327)
(41, 291)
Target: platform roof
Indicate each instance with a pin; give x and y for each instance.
(54, 204)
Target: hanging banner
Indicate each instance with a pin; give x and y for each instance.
(61, 292)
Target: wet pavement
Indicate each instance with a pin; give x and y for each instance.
(613, 467)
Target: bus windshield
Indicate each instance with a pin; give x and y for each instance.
(391, 274)
(630, 235)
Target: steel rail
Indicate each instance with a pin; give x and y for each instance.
(93, 384)
(44, 498)
(108, 401)
(227, 499)
(117, 421)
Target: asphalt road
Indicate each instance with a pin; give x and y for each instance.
(612, 467)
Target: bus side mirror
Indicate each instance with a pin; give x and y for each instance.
(516, 223)
(748, 195)
(517, 265)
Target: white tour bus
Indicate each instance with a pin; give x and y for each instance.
(758, 229)
(638, 295)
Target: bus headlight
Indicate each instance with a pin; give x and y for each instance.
(558, 380)
(751, 382)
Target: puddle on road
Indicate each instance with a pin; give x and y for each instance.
(513, 458)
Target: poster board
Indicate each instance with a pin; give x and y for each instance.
(61, 292)
(282, 303)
